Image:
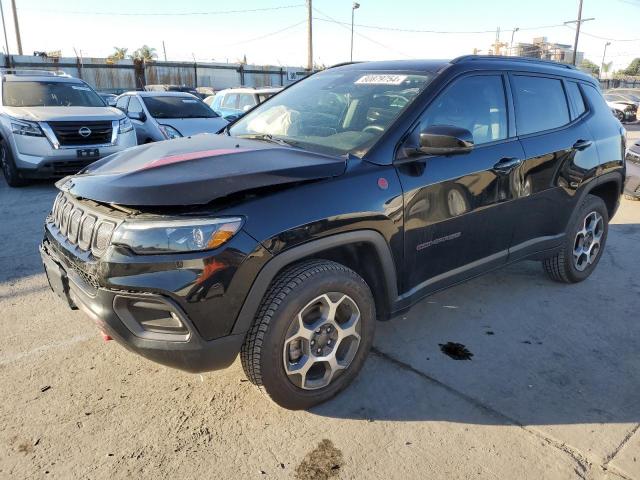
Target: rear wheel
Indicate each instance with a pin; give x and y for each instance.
(311, 335)
(9, 170)
(620, 115)
(584, 243)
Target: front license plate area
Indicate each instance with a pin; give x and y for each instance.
(88, 153)
(58, 280)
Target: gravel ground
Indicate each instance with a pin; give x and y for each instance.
(551, 390)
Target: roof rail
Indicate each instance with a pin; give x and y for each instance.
(467, 58)
(342, 64)
(33, 72)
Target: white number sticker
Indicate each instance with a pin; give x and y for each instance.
(381, 79)
(79, 87)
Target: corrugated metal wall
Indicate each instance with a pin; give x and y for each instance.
(126, 75)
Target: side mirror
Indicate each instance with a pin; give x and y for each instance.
(140, 116)
(246, 108)
(445, 140)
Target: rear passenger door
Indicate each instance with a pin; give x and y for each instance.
(551, 122)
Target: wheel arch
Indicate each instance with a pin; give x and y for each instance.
(364, 251)
(609, 188)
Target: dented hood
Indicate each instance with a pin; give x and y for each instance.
(196, 171)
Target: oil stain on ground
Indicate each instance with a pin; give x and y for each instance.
(321, 463)
(457, 351)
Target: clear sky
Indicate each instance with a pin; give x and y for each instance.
(278, 37)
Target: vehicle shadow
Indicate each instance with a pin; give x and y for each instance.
(22, 214)
(543, 353)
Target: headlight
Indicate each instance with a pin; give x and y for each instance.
(172, 236)
(25, 127)
(169, 132)
(125, 125)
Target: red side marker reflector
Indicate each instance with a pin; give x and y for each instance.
(184, 157)
(383, 183)
(106, 337)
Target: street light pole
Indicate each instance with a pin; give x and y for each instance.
(353, 13)
(513, 32)
(603, 55)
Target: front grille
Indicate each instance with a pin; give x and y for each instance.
(633, 157)
(86, 225)
(69, 133)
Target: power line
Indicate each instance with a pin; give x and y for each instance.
(410, 30)
(333, 20)
(163, 14)
(270, 34)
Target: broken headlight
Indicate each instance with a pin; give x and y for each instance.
(175, 236)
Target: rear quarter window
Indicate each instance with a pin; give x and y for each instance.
(541, 104)
(576, 98)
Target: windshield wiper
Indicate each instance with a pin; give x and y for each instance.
(267, 137)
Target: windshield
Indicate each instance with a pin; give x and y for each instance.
(49, 94)
(177, 107)
(334, 112)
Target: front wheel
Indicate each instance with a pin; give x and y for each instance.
(311, 335)
(584, 243)
(9, 169)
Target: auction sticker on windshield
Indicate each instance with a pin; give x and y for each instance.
(382, 79)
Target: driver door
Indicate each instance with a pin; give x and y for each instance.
(458, 208)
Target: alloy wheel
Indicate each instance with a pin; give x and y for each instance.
(322, 340)
(588, 241)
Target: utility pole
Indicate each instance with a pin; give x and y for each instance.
(309, 36)
(578, 23)
(355, 6)
(4, 29)
(164, 49)
(603, 55)
(15, 21)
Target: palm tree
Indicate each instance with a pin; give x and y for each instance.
(119, 53)
(145, 53)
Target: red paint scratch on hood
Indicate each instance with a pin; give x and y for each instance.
(184, 157)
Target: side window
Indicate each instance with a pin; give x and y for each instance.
(594, 98)
(540, 104)
(576, 98)
(229, 101)
(122, 103)
(246, 100)
(134, 106)
(476, 103)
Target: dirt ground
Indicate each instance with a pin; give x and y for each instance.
(552, 389)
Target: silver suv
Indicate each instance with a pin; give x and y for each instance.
(52, 125)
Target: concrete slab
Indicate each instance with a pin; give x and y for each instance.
(559, 359)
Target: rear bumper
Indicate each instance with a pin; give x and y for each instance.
(190, 352)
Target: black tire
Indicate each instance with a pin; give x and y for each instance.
(620, 115)
(562, 266)
(9, 170)
(263, 351)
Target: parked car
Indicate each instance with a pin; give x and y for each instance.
(232, 103)
(52, 125)
(345, 199)
(166, 115)
(172, 88)
(209, 100)
(109, 98)
(624, 110)
(632, 185)
(204, 92)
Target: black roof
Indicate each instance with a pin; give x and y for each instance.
(474, 62)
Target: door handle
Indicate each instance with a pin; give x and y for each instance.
(505, 165)
(582, 144)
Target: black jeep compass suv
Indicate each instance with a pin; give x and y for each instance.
(340, 201)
